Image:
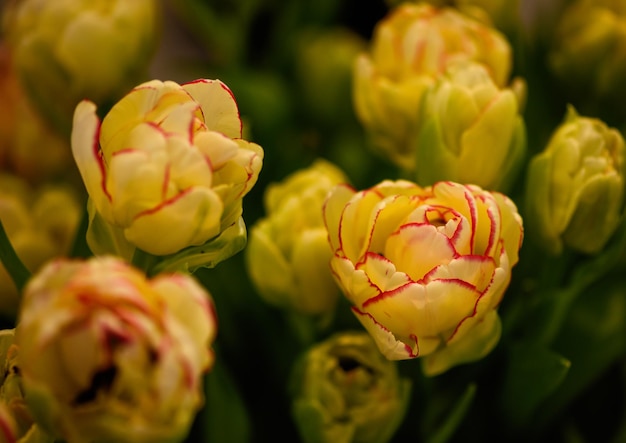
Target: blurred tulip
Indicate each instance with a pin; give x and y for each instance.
(166, 169)
(40, 223)
(288, 254)
(575, 187)
(107, 355)
(345, 391)
(86, 49)
(425, 268)
(412, 46)
(588, 54)
(472, 132)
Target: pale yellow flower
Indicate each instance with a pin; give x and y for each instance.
(425, 268)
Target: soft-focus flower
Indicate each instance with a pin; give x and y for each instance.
(425, 268)
(288, 253)
(324, 63)
(345, 391)
(167, 168)
(575, 187)
(588, 52)
(411, 47)
(40, 223)
(28, 145)
(472, 131)
(107, 355)
(68, 50)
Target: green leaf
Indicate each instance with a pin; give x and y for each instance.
(533, 373)
(455, 418)
(12, 263)
(224, 416)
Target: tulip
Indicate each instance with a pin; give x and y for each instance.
(108, 355)
(588, 53)
(575, 187)
(166, 169)
(288, 253)
(40, 222)
(411, 47)
(68, 50)
(346, 391)
(425, 268)
(472, 131)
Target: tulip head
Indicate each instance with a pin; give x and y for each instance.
(346, 391)
(412, 46)
(472, 132)
(40, 222)
(425, 268)
(108, 355)
(588, 54)
(86, 49)
(288, 253)
(167, 167)
(575, 187)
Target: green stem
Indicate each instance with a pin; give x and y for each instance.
(144, 261)
(12, 263)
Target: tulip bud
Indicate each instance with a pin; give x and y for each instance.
(40, 223)
(472, 131)
(167, 168)
(425, 268)
(575, 187)
(28, 144)
(345, 391)
(86, 49)
(108, 355)
(288, 253)
(588, 55)
(324, 61)
(411, 48)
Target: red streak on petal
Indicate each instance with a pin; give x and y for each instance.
(98, 155)
(124, 151)
(413, 337)
(163, 204)
(471, 203)
(386, 294)
(166, 181)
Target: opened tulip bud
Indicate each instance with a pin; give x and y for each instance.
(288, 253)
(345, 391)
(425, 268)
(412, 46)
(108, 355)
(166, 169)
(68, 50)
(575, 187)
(472, 131)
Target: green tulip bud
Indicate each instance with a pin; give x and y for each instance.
(288, 254)
(472, 131)
(588, 54)
(345, 391)
(575, 187)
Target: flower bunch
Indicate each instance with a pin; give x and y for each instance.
(401, 234)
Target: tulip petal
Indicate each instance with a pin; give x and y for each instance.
(332, 210)
(218, 106)
(389, 346)
(87, 154)
(194, 214)
(484, 337)
(417, 248)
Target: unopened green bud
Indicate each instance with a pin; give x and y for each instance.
(472, 131)
(288, 254)
(575, 187)
(345, 391)
(589, 49)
